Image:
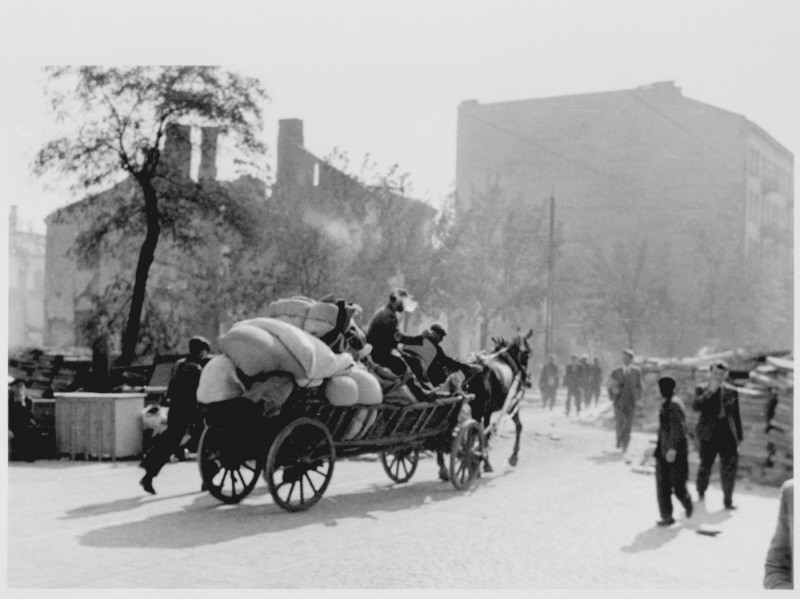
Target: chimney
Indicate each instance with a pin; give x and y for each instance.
(177, 154)
(208, 154)
(290, 138)
(290, 130)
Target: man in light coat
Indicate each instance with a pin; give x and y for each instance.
(625, 391)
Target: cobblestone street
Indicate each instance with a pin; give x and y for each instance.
(570, 515)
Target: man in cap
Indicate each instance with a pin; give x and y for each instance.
(672, 454)
(625, 391)
(428, 360)
(22, 426)
(182, 397)
(719, 431)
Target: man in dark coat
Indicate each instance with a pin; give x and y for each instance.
(719, 431)
(548, 382)
(182, 396)
(573, 379)
(22, 428)
(625, 391)
(384, 335)
(429, 359)
(672, 454)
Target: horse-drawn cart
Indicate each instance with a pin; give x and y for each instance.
(296, 449)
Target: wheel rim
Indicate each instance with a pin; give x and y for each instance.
(229, 468)
(400, 465)
(466, 455)
(300, 465)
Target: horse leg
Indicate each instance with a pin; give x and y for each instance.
(515, 454)
(444, 474)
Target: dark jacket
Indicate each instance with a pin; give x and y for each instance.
(707, 402)
(182, 389)
(20, 417)
(573, 376)
(384, 331)
(671, 430)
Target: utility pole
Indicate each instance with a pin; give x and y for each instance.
(548, 319)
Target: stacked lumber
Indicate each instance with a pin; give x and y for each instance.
(777, 377)
(47, 372)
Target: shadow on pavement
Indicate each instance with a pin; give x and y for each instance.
(206, 521)
(653, 538)
(605, 458)
(118, 505)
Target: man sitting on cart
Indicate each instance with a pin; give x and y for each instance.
(384, 334)
(428, 360)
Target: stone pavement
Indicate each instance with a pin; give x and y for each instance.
(571, 515)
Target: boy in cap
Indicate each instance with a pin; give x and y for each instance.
(182, 396)
(672, 454)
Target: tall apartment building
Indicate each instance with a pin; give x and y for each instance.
(703, 186)
(26, 262)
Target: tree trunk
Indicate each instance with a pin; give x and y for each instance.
(146, 255)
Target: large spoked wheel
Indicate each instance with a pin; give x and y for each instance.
(300, 464)
(466, 454)
(228, 467)
(400, 465)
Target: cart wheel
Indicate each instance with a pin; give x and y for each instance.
(466, 454)
(400, 465)
(300, 464)
(228, 469)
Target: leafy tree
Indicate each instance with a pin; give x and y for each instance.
(121, 117)
(495, 256)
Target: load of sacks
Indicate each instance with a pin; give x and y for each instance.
(264, 358)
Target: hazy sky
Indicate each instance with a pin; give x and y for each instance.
(386, 78)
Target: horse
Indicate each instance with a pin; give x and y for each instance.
(498, 386)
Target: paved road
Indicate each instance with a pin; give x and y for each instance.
(570, 515)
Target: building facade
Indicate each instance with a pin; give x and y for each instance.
(26, 289)
(72, 287)
(705, 189)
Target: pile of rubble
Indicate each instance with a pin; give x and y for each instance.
(766, 385)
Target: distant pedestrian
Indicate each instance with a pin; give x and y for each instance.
(719, 431)
(625, 391)
(586, 380)
(22, 427)
(182, 397)
(778, 569)
(672, 454)
(548, 382)
(597, 381)
(573, 379)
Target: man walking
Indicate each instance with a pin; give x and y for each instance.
(672, 454)
(548, 382)
(573, 381)
(719, 430)
(597, 381)
(625, 391)
(182, 396)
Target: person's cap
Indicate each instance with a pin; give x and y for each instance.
(628, 352)
(198, 343)
(437, 328)
(18, 381)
